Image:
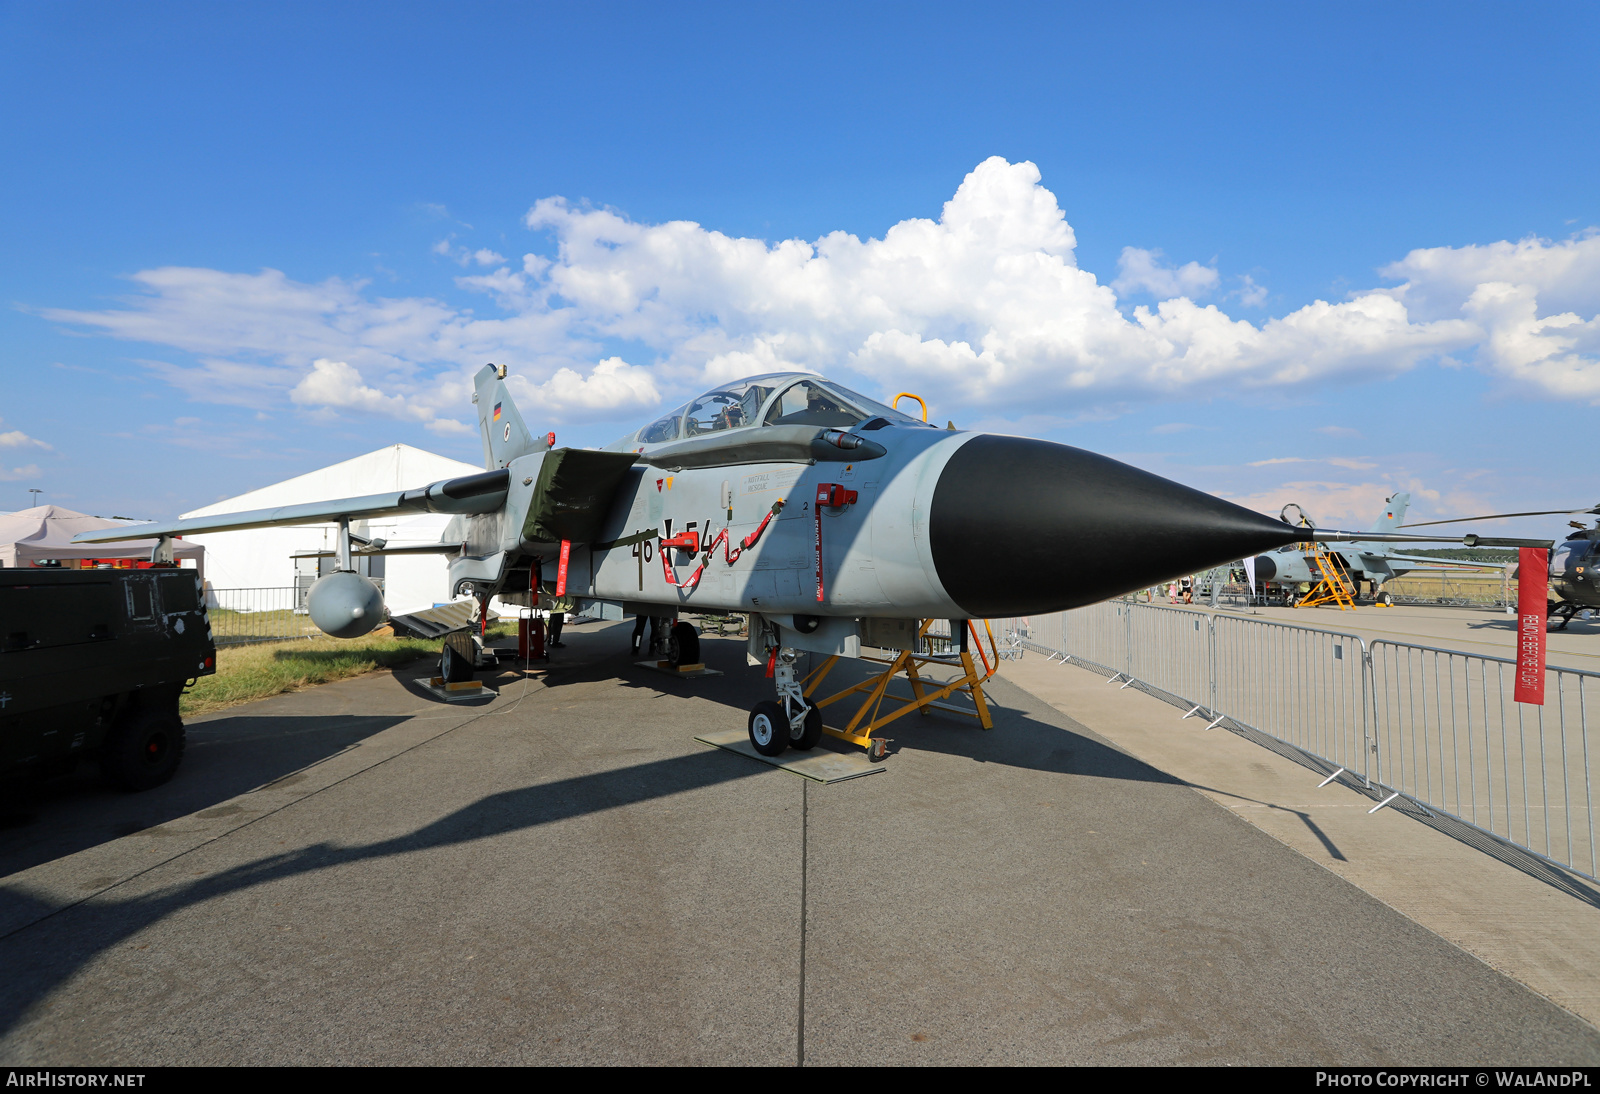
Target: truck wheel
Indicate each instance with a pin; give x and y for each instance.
(143, 749)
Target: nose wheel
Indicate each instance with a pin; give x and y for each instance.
(772, 730)
(769, 728)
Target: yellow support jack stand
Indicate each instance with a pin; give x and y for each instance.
(869, 718)
(1332, 588)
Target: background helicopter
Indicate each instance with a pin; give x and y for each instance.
(1573, 561)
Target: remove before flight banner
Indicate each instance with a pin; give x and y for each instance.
(1533, 575)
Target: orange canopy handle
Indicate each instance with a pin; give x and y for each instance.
(907, 395)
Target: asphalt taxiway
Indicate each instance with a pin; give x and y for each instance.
(361, 874)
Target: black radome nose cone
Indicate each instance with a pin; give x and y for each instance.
(1266, 569)
(1020, 526)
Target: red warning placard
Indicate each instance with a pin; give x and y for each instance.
(1533, 576)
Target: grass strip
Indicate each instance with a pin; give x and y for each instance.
(247, 673)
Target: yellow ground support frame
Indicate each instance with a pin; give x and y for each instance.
(1333, 588)
(870, 717)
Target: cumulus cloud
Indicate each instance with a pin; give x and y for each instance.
(1329, 504)
(1443, 492)
(1528, 299)
(335, 385)
(613, 385)
(463, 256)
(1139, 270)
(18, 439)
(17, 474)
(1250, 294)
(984, 307)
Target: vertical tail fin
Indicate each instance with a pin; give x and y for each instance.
(1394, 513)
(505, 435)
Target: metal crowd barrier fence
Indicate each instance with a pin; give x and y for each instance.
(239, 616)
(1447, 734)
(1304, 686)
(1436, 727)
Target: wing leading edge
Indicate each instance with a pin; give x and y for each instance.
(467, 494)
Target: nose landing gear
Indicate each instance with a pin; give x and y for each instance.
(789, 723)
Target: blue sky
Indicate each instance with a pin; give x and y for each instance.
(200, 203)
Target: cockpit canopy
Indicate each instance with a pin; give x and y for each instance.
(777, 398)
(1569, 554)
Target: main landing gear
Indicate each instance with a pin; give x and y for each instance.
(789, 723)
(1562, 609)
(683, 645)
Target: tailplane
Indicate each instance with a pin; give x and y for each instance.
(505, 435)
(1394, 514)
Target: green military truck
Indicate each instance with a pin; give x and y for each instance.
(93, 662)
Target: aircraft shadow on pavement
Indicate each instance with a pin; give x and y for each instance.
(110, 921)
(225, 757)
(1033, 739)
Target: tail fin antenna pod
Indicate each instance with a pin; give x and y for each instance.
(505, 435)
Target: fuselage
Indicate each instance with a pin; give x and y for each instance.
(1573, 565)
(925, 522)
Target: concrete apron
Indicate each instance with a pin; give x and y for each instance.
(1517, 924)
(566, 875)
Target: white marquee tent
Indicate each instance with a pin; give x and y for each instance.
(46, 531)
(261, 558)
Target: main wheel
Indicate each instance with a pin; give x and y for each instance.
(144, 748)
(769, 728)
(453, 667)
(810, 731)
(683, 648)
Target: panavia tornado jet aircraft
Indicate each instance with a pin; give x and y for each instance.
(812, 508)
(1372, 561)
